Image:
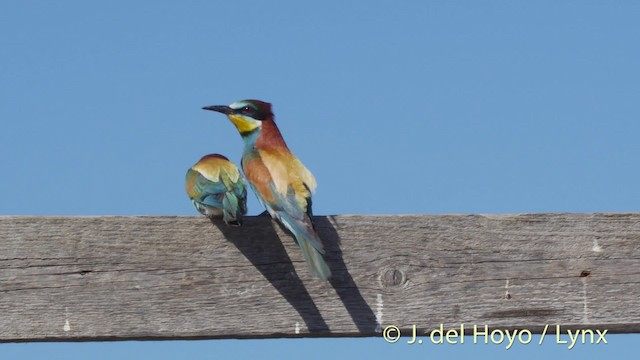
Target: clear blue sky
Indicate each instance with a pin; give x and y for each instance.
(396, 107)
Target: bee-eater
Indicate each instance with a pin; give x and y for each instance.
(216, 188)
(283, 184)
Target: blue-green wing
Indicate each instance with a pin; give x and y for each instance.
(203, 191)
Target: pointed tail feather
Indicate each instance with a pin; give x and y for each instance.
(315, 260)
(309, 243)
(231, 213)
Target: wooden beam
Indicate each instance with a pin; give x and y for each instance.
(173, 277)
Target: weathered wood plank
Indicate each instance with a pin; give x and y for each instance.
(101, 278)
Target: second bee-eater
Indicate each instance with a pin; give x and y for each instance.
(283, 184)
(216, 188)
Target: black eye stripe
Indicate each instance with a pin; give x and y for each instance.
(246, 109)
(251, 112)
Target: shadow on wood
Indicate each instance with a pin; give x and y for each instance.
(275, 262)
(346, 288)
(272, 265)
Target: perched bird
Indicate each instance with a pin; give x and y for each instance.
(216, 188)
(283, 184)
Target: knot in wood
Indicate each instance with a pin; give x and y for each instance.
(392, 278)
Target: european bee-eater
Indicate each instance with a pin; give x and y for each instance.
(283, 184)
(216, 188)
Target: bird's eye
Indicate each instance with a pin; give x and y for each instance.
(247, 110)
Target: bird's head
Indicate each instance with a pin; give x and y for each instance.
(246, 115)
(214, 156)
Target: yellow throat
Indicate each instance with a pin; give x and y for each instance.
(243, 123)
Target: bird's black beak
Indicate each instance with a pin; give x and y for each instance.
(219, 108)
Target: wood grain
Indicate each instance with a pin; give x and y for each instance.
(171, 277)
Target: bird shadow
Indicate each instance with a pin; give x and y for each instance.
(271, 259)
(342, 281)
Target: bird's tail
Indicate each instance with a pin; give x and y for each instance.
(310, 244)
(231, 213)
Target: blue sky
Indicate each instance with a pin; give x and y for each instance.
(396, 107)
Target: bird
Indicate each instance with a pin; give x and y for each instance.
(281, 182)
(217, 188)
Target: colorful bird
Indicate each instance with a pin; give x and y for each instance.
(216, 188)
(283, 184)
